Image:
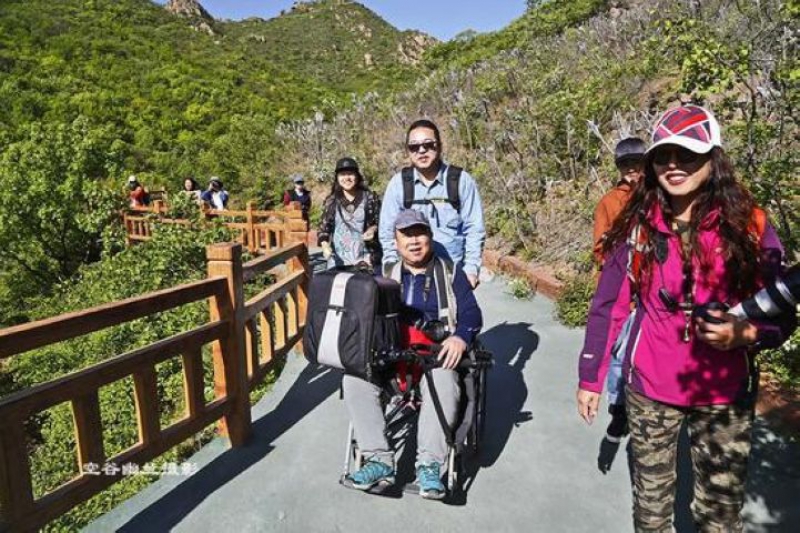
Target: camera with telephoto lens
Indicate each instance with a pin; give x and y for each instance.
(780, 297)
(775, 299)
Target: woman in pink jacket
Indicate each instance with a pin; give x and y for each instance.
(691, 235)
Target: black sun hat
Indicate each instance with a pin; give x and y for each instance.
(631, 148)
(347, 163)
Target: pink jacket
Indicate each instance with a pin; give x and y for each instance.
(658, 363)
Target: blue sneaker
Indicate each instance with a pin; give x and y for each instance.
(372, 473)
(430, 482)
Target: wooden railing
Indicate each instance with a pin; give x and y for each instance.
(260, 231)
(248, 338)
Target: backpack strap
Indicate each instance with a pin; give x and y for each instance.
(637, 241)
(453, 179)
(452, 182)
(444, 276)
(758, 223)
(396, 271)
(407, 175)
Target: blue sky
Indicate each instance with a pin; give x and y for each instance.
(441, 18)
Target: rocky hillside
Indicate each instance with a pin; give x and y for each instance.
(199, 18)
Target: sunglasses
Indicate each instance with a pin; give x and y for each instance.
(416, 148)
(682, 156)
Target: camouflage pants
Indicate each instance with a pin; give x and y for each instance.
(719, 436)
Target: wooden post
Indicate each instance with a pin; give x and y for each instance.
(230, 365)
(147, 408)
(158, 207)
(252, 241)
(88, 430)
(128, 229)
(301, 263)
(296, 228)
(193, 383)
(267, 338)
(16, 491)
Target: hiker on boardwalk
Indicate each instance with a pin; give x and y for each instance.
(349, 225)
(444, 192)
(299, 194)
(192, 189)
(421, 274)
(215, 196)
(138, 195)
(629, 160)
(698, 237)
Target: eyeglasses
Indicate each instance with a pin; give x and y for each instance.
(416, 148)
(682, 156)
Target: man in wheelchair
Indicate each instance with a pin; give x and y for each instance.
(433, 289)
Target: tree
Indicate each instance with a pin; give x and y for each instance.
(53, 209)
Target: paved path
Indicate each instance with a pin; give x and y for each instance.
(539, 470)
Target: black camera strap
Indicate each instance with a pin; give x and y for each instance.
(684, 232)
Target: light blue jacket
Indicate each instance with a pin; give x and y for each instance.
(457, 236)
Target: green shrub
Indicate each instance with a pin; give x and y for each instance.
(784, 362)
(520, 289)
(572, 307)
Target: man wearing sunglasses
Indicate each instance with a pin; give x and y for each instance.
(446, 194)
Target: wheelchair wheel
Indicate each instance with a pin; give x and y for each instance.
(352, 459)
(476, 432)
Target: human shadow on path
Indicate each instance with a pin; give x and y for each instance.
(312, 387)
(512, 345)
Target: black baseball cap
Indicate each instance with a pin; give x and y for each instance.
(347, 163)
(631, 148)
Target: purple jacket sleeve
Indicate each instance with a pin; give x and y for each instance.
(773, 333)
(610, 306)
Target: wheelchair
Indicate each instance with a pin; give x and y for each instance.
(402, 407)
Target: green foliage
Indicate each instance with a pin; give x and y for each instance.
(784, 362)
(53, 210)
(520, 289)
(338, 43)
(543, 19)
(572, 307)
(176, 100)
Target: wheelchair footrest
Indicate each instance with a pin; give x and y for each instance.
(411, 488)
(379, 489)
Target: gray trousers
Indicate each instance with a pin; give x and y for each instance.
(362, 399)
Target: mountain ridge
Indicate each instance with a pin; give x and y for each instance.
(320, 38)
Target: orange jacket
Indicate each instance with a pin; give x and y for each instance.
(606, 212)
